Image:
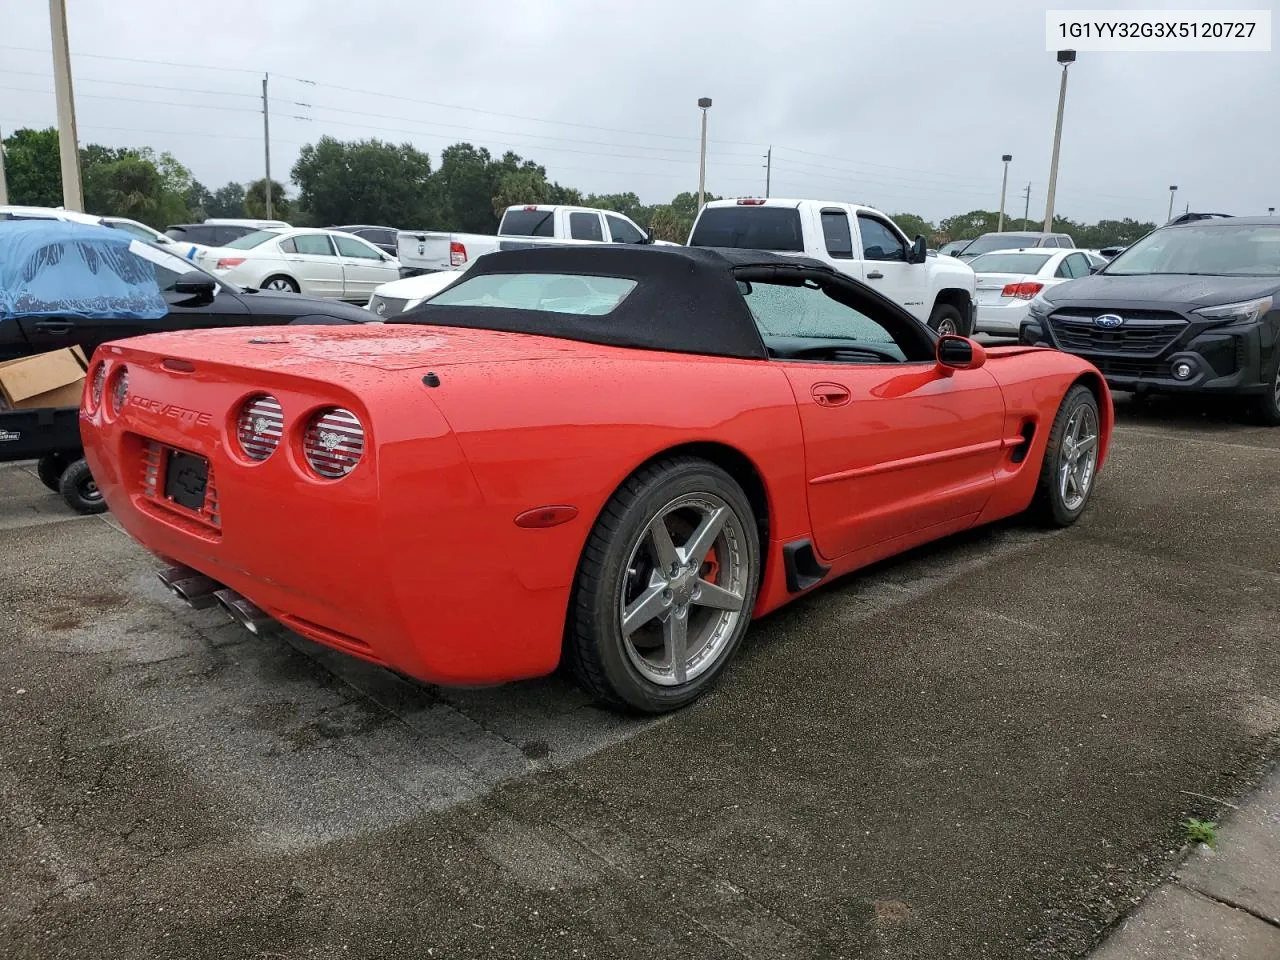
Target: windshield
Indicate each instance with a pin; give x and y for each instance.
(1211, 249)
(1000, 241)
(1008, 262)
(553, 292)
(749, 227)
(251, 240)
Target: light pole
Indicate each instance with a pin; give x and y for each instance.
(1066, 58)
(1173, 188)
(1003, 183)
(68, 143)
(705, 104)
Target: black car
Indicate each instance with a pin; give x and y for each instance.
(208, 234)
(384, 238)
(1189, 308)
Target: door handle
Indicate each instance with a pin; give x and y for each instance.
(875, 275)
(830, 394)
(54, 326)
(294, 259)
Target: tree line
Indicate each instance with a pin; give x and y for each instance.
(371, 181)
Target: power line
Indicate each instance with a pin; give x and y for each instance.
(161, 63)
(128, 83)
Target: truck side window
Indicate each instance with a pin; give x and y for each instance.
(585, 226)
(836, 234)
(878, 241)
(622, 231)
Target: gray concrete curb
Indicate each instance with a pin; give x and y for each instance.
(1218, 905)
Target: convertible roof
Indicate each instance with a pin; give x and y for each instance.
(686, 299)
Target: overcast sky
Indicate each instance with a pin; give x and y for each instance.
(904, 105)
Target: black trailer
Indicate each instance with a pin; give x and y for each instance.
(51, 437)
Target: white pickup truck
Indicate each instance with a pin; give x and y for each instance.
(858, 241)
(422, 251)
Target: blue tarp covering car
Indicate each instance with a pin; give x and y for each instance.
(58, 268)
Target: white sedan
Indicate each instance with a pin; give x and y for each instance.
(318, 263)
(1008, 280)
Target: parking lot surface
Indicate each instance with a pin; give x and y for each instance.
(980, 750)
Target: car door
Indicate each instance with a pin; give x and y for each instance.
(837, 242)
(885, 254)
(314, 263)
(894, 443)
(184, 311)
(364, 267)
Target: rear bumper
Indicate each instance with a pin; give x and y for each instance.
(1003, 319)
(399, 563)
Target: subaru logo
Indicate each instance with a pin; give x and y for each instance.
(381, 308)
(1108, 321)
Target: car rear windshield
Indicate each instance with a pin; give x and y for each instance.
(751, 228)
(1206, 248)
(528, 223)
(551, 292)
(1008, 262)
(251, 240)
(1002, 241)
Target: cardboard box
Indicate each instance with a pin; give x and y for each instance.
(53, 379)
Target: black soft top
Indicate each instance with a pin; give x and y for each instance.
(686, 299)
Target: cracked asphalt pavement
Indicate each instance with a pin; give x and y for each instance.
(981, 750)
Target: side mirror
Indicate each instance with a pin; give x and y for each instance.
(919, 251)
(959, 353)
(194, 283)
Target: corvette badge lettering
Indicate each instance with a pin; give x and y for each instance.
(181, 414)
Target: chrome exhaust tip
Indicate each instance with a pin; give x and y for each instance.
(244, 612)
(190, 586)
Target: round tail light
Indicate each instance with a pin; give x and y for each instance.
(99, 383)
(120, 389)
(260, 426)
(333, 443)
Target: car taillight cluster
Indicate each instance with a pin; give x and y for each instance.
(226, 263)
(119, 389)
(260, 427)
(333, 443)
(332, 438)
(99, 382)
(458, 253)
(1022, 291)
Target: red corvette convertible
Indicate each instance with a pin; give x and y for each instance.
(615, 455)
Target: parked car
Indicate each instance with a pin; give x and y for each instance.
(1020, 240)
(952, 247)
(1189, 308)
(319, 263)
(195, 238)
(139, 230)
(384, 238)
(859, 241)
(521, 226)
(1009, 279)
(394, 298)
(70, 284)
(620, 454)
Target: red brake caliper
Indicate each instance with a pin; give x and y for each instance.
(711, 567)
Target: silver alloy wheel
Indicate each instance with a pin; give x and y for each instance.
(1078, 457)
(679, 606)
(280, 284)
(1275, 387)
(946, 326)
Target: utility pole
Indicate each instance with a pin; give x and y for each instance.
(1173, 188)
(1026, 206)
(68, 142)
(705, 104)
(266, 144)
(1066, 58)
(1003, 183)
(768, 170)
(4, 187)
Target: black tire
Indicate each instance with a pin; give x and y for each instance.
(1267, 405)
(49, 469)
(598, 654)
(1049, 505)
(946, 319)
(288, 281)
(79, 489)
